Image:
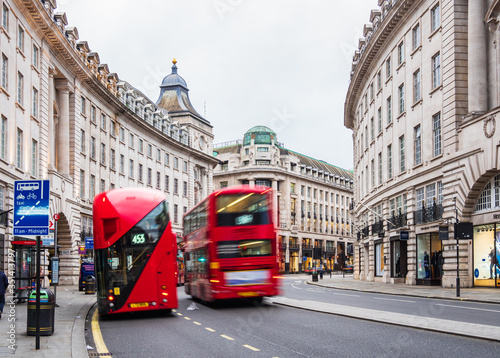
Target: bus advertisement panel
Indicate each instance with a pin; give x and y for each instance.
(135, 251)
(230, 244)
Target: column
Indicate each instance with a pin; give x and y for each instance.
(62, 141)
(477, 63)
(51, 154)
(275, 202)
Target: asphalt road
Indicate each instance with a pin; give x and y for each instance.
(462, 311)
(240, 329)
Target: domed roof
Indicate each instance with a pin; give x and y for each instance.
(173, 79)
(260, 134)
(260, 129)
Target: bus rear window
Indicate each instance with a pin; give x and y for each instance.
(242, 209)
(243, 248)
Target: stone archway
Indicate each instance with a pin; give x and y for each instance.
(68, 253)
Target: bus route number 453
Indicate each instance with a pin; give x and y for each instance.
(138, 239)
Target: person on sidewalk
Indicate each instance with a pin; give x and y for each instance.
(493, 261)
(4, 283)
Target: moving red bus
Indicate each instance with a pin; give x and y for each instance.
(230, 246)
(135, 251)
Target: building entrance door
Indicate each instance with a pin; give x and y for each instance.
(399, 258)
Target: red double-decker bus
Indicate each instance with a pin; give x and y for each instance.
(135, 251)
(230, 246)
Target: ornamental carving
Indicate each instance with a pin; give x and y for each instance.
(489, 126)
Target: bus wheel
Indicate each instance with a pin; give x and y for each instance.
(257, 300)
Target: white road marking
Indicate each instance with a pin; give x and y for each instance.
(189, 319)
(392, 299)
(252, 348)
(345, 294)
(197, 323)
(210, 329)
(467, 308)
(296, 287)
(227, 337)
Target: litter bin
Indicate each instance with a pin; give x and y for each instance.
(315, 276)
(47, 311)
(90, 285)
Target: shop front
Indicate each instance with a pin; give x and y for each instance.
(399, 258)
(293, 248)
(379, 258)
(429, 259)
(486, 253)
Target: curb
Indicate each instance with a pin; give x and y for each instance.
(78, 342)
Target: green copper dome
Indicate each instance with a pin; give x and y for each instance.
(261, 135)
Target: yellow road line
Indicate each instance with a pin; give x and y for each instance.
(210, 329)
(179, 314)
(100, 346)
(189, 319)
(251, 348)
(198, 323)
(227, 337)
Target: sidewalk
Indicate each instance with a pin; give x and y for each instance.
(68, 339)
(484, 295)
(476, 294)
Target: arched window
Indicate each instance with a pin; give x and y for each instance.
(490, 196)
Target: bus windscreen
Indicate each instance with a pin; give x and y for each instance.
(243, 248)
(242, 209)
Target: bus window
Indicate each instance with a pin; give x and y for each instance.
(242, 210)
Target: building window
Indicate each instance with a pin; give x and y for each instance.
(34, 110)
(185, 167)
(139, 176)
(131, 140)
(34, 157)
(141, 145)
(401, 91)
(103, 186)
(92, 148)
(167, 183)
(5, 71)
(103, 154)
(19, 148)
(261, 149)
(176, 163)
(150, 151)
(167, 159)
(176, 209)
(292, 188)
(379, 119)
(131, 169)
(82, 184)
(416, 86)
(389, 110)
(380, 168)
(92, 187)
(20, 38)
(372, 128)
(158, 180)
(35, 56)
(402, 161)
(20, 88)
(436, 130)
(435, 18)
(372, 94)
(401, 53)
(176, 186)
(3, 138)
(373, 173)
(150, 177)
(112, 155)
(82, 108)
(389, 161)
(185, 188)
(379, 80)
(418, 145)
(122, 164)
(5, 18)
(436, 70)
(158, 155)
(103, 121)
(366, 137)
(388, 68)
(489, 197)
(416, 37)
(92, 115)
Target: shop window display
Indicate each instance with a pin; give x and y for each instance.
(486, 255)
(429, 257)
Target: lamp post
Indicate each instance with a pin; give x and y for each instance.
(456, 238)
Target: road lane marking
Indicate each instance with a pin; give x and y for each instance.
(296, 287)
(179, 314)
(467, 308)
(189, 319)
(392, 299)
(210, 329)
(100, 346)
(251, 348)
(227, 337)
(345, 294)
(197, 323)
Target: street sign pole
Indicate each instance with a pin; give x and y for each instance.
(37, 312)
(56, 256)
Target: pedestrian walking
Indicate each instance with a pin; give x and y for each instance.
(4, 283)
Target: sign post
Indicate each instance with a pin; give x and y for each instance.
(31, 218)
(56, 261)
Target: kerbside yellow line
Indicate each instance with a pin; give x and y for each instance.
(100, 346)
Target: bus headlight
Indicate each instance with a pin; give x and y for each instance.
(165, 300)
(153, 303)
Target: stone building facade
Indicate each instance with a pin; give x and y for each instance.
(66, 118)
(311, 198)
(422, 102)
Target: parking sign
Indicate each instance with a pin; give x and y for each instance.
(31, 207)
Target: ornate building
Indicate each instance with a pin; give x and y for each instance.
(66, 118)
(311, 198)
(422, 103)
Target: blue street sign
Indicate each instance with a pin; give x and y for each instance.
(31, 207)
(89, 243)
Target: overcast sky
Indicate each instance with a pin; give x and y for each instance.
(282, 63)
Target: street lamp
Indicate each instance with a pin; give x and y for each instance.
(456, 238)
